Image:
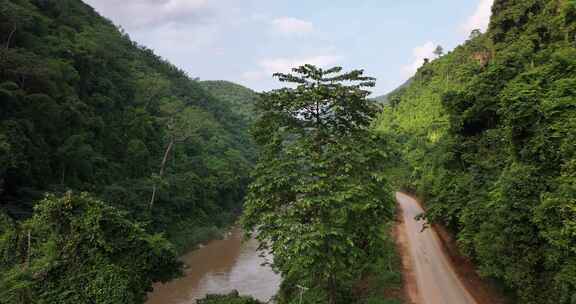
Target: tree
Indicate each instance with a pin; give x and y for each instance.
(439, 51)
(182, 122)
(475, 34)
(315, 201)
(70, 251)
(13, 18)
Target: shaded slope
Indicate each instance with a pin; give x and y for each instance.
(85, 109)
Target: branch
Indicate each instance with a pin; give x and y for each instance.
(161, 173)
(10, 37)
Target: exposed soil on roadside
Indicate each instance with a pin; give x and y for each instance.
(482, 292)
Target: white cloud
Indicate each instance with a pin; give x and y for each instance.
(289, 25)
(170, 38)
(267, 67)
(253, 76)
(136, 14)
(284, 65)
(183, 5)
(420, 53)
(480, 19)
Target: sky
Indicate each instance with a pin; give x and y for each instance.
(246, 41)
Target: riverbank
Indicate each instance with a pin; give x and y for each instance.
(187, 235)
(220, 267)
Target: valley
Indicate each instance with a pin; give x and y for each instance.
(127, 179)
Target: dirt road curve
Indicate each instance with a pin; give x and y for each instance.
(437, 282)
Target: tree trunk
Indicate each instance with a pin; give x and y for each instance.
(29, 251)
(162, 168)
(10, 37)
(331, 290)
(63, 175)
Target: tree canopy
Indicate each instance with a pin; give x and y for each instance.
(317, 202)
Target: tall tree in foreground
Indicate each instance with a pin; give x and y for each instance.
(316, 200)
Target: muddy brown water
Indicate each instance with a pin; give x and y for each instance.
(219, 268)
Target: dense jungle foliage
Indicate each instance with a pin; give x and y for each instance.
(241, 99)
(318, 202)
(140, 160)
(488, 138)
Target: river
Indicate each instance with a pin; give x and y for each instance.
(220, 267)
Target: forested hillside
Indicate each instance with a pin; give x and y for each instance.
(141, 160)
(488, 138)
(241, 99)
(385, 99)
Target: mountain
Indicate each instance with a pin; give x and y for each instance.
(487, 136)
(240, 98)
(385, 99)
(112, 160)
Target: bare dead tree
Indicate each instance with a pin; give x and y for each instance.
(162, 169)
(10, 35)
(174, 139)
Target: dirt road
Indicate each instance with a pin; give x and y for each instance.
(436, 280)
